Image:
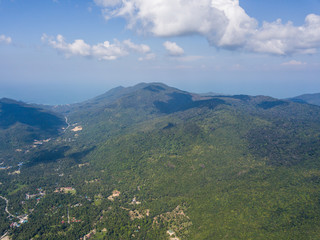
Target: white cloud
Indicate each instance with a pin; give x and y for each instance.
(142, 48)
(293, 63)
(285, 39)
(78, 47)
(5, 39)
(101, 51)
(107, 51)
(224, 23)
(173, 49)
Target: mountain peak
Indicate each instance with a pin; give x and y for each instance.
(9, 100)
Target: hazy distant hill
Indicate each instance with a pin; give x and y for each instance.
(151, 160)
(308, 98)
(21, 123)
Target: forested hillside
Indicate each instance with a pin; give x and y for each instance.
(308, 98)
(21, 123)
(155, 162)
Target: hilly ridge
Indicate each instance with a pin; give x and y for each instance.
(307, 98)
(202, 167)
(20, 122)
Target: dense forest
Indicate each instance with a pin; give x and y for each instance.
(154, 162)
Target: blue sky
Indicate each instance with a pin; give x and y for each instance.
(67, 51)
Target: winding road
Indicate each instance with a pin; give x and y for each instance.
(7, 201)
(67, 124)
(6, 209)
(10, 215)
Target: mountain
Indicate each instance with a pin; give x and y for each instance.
(155, 162)
(308, 98)
(21, 123)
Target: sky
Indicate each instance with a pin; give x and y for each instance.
(67, 51)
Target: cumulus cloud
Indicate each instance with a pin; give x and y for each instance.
(173, 49)
(224, 23)
(108, 51)
(284, 39)
(5, 39)
(101, 51)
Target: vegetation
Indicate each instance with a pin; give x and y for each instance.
(21, 123)
(152, 161)
(307, 98)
